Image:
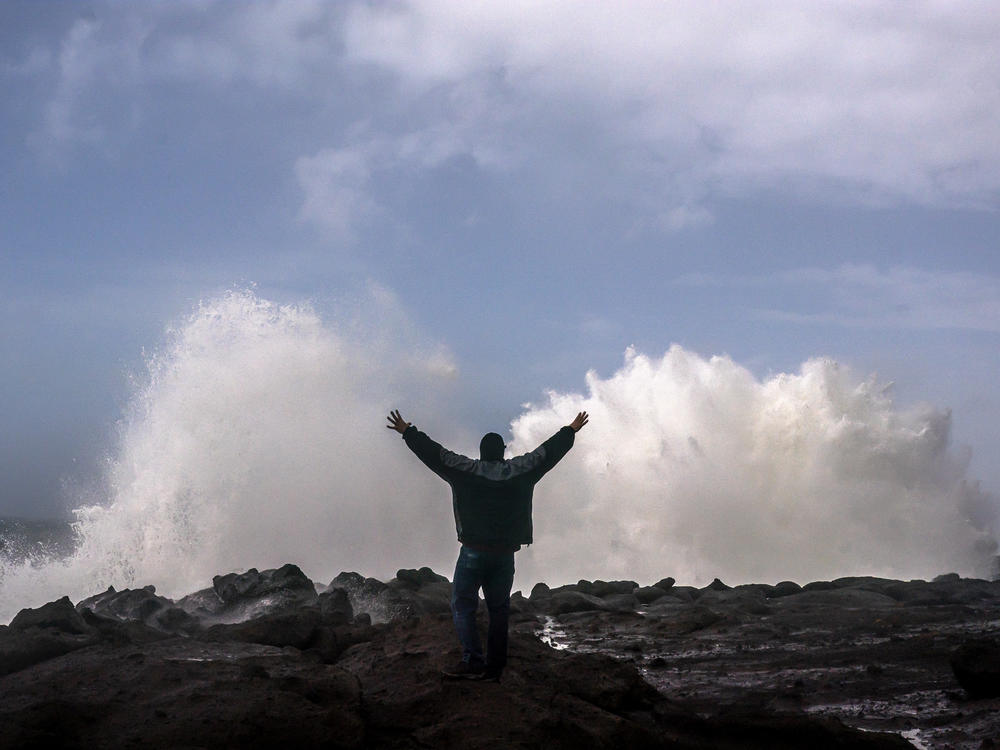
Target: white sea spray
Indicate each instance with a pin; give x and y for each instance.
(257, 438)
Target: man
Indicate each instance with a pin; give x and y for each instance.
(491, 499)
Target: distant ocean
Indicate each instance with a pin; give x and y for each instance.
(24, 539)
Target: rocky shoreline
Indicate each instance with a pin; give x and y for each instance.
(268, 658)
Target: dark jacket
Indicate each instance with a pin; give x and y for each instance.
(491, 499)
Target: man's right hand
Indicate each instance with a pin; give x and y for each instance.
(581, 419)
(396, 422)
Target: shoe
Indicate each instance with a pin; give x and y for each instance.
(487, 675)
(465, 670)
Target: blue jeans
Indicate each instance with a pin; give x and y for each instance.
(493, 571)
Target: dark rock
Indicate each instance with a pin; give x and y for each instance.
(407, 577)
(820, 586)
(976, 665)
(621, 602)
(238, 587)
(140, 605)
(253, 593)
(204, 603)
(429, 576)
(348, 581)
(296, 628)
(716, 585)
(865, 583)
(335, 607)
(610, 588)
(562, 602)
(854, 598)
(921, 593)
(665, 583)
(363, 594)
(750, 600)
(20, 649)
(121, 632)
(648, 594)
(59, 615)
(520, 605)
(785, 588)
(947, 578)
(182, 693)
(414, 579)
(36, 635)
(539, 591)
(684, 593)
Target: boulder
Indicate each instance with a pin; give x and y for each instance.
(820, 586)
(921, 593)
(611, 588)
(204, 603)
(362, 592)
(750, 600)
(716, 585)
(253, 593)
(665, 583)
(947, 578)
(976, 665)
(140, 605)
(684, 593)
(563, 602)
(520, 605)
(335, 607)
(415, 578)
(295, 628)
(36, 635)
(649, 594)
(539, 591)
(59, 615)
(785, 588)
(852, 598)
(621, 602)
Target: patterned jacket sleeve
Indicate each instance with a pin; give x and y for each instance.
(437, 458)
(548, 454)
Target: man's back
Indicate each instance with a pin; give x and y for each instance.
(491, 499)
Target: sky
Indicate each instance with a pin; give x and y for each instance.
(522, 191)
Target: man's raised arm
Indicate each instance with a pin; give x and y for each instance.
(427, 450)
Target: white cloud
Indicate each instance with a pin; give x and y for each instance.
(659, 107)
(873, 103)
(335, 185)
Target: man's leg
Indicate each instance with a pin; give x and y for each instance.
(465, 602)
(497, 580)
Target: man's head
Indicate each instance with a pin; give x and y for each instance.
(491, 447)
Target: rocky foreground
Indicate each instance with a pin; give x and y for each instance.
(267, 659)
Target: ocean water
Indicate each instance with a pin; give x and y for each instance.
(257, 437)
(24, 540)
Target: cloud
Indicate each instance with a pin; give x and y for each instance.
(335, 185)
(863, 295)
(864, 103)
(658, 108)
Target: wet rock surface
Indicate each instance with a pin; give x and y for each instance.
(592, 665)
(921, 659)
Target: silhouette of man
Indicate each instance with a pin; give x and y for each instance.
(491, 499)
